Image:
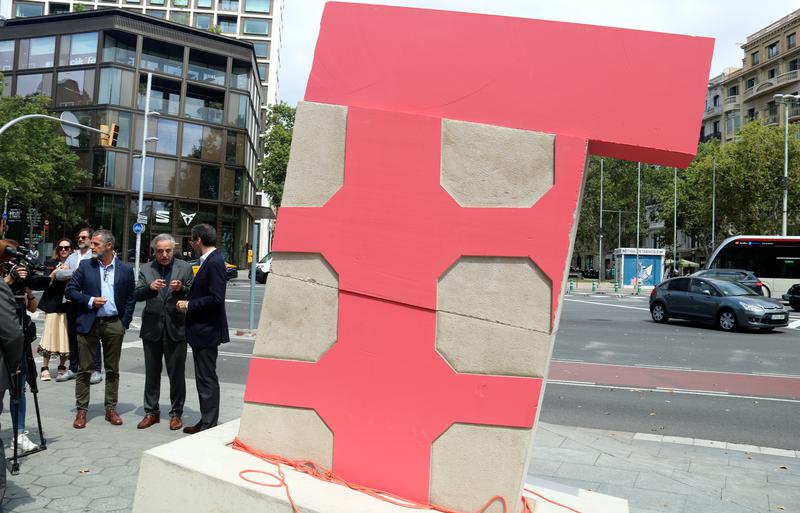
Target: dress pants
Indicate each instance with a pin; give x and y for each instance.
(205, 376)
(109, 332)
(174, 354)
(74, 350)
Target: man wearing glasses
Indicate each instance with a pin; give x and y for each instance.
(65, 274)
(102, 290)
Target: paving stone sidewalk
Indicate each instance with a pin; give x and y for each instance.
(96, 469)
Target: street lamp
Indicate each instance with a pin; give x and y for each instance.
(145, 140)
(786, 99)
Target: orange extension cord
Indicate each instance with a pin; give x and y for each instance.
(323, 474)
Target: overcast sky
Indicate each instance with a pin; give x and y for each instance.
(728, 21)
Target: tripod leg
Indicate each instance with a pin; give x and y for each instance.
(43, 442)
(15, 395)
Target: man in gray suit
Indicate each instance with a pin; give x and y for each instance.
(162, 282)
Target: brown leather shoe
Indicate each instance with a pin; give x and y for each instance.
(175, 423)
(80, 420)
(147, 421)
(190, 430)
(113, 417)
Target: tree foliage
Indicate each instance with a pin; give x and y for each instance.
(39, 169)
(749, 192)
(272, 170)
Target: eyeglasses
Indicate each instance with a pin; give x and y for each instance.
(64, 248)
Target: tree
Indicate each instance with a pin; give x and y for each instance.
(39, 169)
(272, 170)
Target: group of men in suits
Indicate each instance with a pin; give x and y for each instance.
(180, 308)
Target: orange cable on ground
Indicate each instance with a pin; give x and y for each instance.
(323, 474)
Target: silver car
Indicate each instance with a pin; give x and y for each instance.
(727, 304)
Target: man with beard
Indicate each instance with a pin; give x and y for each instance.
(102, 290)
(71, 264)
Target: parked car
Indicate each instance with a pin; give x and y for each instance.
(727, 304)
(793, 296)
(230, 270)
(747, 278)
(262, 269)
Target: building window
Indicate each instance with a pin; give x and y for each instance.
(7, 55)
(716, 100)
(234, 148)
(159, 175)
(205, 104)
(256, 26)
(7, 81)
(123, 119)
(232, 185)
(37, 53)
(262, 71)
(204, 4)
(119, 47)
(36, 84)
(162, 15)
(180, 3)
(794, 64)
(166, 130)
(201, 142)
(733, 122)
(75, 88)
(755, 58)
(751, 114)
(238, 110)
(184, 18)
(203, 21)
(162, 57)
(228, 5)
(261, 6)
(77, 49)
(261, 49)
(155, 2)
(116, 87)
(59, 8)
(107, 212)
(716, 127)
(165, 95)
(750, 83)
(240, 75)
(199, 181)
(771, 73)
(772, 50)
(227, 24)
(25, 10)
(110, 169)
(791, 40)
(733, 91)
(207, 67)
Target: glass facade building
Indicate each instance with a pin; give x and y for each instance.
(206, 91)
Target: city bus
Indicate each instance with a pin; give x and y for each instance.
(774, 259)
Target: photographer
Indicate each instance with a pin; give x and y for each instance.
(11, 351)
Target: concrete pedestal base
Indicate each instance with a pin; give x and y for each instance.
(200, 473)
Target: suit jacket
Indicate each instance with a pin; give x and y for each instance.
(85, 284)
(11, 338)
(159, 311)
(206, 320)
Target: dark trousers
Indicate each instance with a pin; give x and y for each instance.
(205, 376)
(74, 350)
(109, 333)
(174, 354)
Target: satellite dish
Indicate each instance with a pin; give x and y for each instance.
(71, 131)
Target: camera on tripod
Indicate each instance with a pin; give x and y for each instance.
(16, 258)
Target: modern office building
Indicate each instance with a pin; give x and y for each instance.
(770, 66)
(257, 21)
(204, 87)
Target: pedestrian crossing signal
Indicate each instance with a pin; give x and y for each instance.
(109, 135)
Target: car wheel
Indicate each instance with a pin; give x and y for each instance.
(765, 290)
(726, 320)
(795, 306)
(659, 313)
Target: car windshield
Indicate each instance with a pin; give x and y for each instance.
(730, 288)
(265, 258)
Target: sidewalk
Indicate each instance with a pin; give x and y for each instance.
(95, 469)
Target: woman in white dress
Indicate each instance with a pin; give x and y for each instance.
(55, 342)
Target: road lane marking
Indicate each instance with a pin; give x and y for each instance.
(687, 369)
(673, 391)
(608, 304)
(716, 444)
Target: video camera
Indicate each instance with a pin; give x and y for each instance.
(16, 257)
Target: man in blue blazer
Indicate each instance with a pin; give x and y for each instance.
(206, 323)
(102, 290)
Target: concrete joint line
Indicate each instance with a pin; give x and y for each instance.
(476, 318)
(310, 280)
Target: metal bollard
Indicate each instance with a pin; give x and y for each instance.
(638, 288)
(594, 285)
(571, 284)
(616, 287)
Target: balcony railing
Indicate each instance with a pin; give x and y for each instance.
(714, 110)
(713, 135)
(772, 119)
(732, 99)
(789, 76)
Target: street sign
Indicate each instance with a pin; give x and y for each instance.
(138, 228)
(70, 131)
(141, 218)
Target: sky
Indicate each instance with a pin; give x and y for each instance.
(728, 21)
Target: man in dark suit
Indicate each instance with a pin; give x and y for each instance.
(11, 347)
(162, 283)
(206, 323)
(102, 290)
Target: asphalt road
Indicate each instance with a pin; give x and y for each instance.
(613, 368)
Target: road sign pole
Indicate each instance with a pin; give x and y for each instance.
(252, 314)
(141, 173)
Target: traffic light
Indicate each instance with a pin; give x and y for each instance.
(109, 136)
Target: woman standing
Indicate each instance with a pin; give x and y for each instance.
(55, 342)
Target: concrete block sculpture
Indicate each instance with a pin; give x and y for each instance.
(428, 219)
